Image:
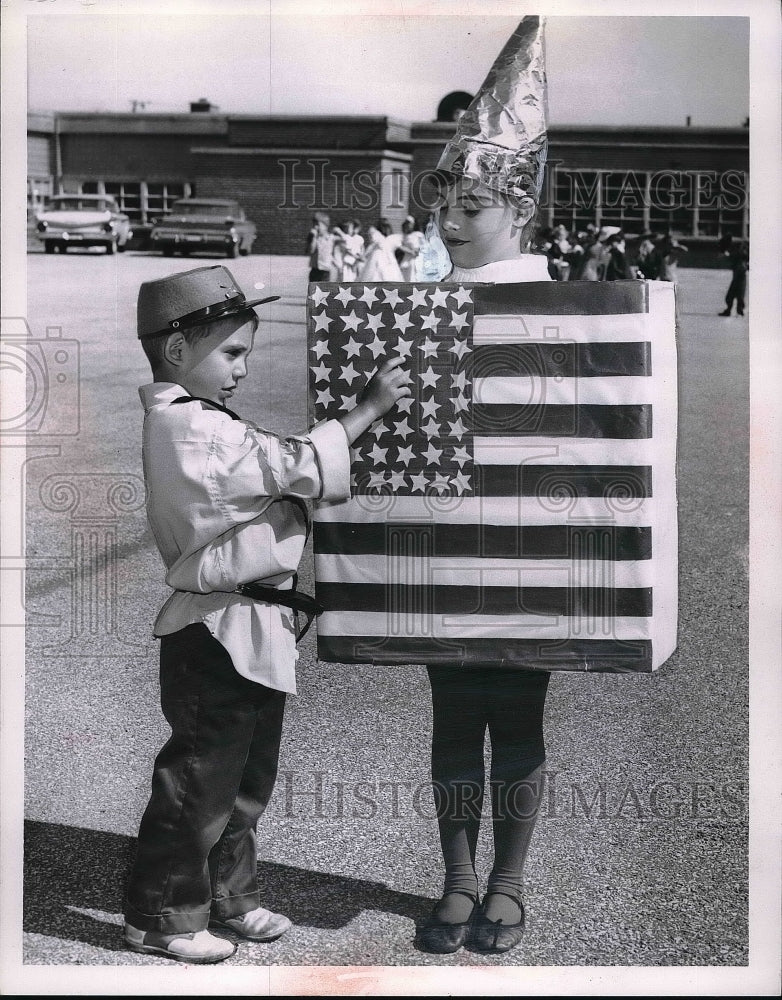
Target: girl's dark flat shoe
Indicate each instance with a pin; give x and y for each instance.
(494, 935)
(443, 938)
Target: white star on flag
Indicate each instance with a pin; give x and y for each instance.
(319, 296)
(344, 295)
(460, 348)
(429, 407)
(431, 428)
(369, 295)
(379, 428)
(459, 381)
(417, 298)
(374, 322)
(324, 397)
(404, 347)
(352, 321)
(377, 454)
(432, 454)
(461, 455)
(458, 430)
(402, 321)
(462, 296)
(404, 404)
(403, 428)
(461, 482)
(349, 373)
(430, 321)
(441, 483)
(429, 347)
(321, 322)
(460, 403)
(418, 482)
(439, 297)
(320, 347)
(392, 296)
(348, 403)
(458, 320)
(406, 454)
(377, 480)
(352, 348)
(377, 347)
(396, 480)
(429, 378)
(322, 372)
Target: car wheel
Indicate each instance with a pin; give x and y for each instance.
(122, 247)
(111, 248)
(244, 251)
(49, 246)
(233, 250)
(168, 251)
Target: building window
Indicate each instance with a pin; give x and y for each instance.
(160, 197)
(127, 195)
(663, 201)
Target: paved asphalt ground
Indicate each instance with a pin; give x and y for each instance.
(640, 854)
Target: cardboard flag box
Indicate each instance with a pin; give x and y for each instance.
(520, 508)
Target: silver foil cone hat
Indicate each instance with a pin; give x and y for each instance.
(501, 139)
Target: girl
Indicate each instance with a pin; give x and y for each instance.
(487, 234)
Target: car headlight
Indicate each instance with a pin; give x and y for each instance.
(42, 226)
(108, 227)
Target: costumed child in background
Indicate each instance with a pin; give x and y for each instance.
(490, 176)
(349, 250)
(225, 501)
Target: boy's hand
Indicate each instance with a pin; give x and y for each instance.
(389, 384)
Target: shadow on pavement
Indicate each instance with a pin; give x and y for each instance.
(68, 869)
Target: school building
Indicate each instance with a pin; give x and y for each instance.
(691, 181)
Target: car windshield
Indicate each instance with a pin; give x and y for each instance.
(200, 208)
(81, 205)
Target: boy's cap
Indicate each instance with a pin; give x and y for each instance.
(190, 298)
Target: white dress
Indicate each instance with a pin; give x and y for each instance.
(379, 261)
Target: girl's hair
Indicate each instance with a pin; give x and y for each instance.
(384, 226)
(154, 347)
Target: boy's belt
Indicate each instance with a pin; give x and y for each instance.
(293, 599)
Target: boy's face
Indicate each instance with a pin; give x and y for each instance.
(213, 366)
(477, 225)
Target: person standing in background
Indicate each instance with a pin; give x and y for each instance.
(320, 247)
(738, 253)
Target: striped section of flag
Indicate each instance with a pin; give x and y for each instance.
(520, 508)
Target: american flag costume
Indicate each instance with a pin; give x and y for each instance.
(520, 508)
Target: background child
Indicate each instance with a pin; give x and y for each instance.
(225, 502)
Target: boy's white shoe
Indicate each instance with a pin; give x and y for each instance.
(196, 947)
(257, 925)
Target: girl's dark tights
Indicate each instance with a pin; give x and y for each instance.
(465, 702)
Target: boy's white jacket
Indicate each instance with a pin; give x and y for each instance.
(216, 503)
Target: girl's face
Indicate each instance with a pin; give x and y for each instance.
(478, 225)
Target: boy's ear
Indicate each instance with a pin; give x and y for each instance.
(524, 209)
(173, 350)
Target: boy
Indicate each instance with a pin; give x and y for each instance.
(225, 502)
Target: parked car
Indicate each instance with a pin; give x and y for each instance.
(82, 220)
(196, 224)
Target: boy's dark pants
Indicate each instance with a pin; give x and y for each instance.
(212, 781)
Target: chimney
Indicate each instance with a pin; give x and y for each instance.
(202, 105)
